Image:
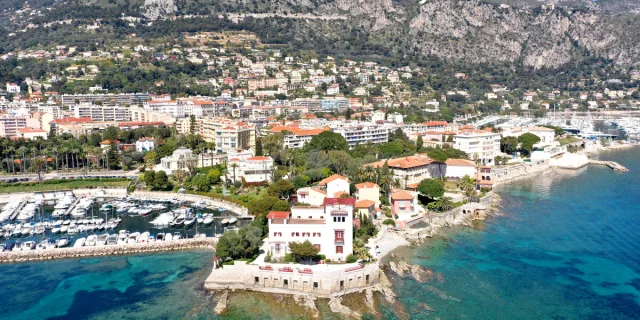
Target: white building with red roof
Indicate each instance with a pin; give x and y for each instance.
(30, 133)
(328, 227)
(335, 185)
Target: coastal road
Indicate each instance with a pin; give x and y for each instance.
(72, 174)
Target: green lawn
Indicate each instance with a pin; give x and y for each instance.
(451, 185)
(568, 140)
(67, 185)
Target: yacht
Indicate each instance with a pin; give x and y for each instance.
(177, 236)
(208, 220)
(63, 242)
(102, 239)
(123, 235)
(233, 220)
(179, 220)
(143, 238)
(55, 229)
(225, 221)
(133, 238)
(111, 240)
(45, 244)
(28, 245)
(64, 229)
(73, 229)
(91, 241)
(189, 221)
(168, 236)
(79, 243)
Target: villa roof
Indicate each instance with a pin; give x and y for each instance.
(109, 141)
(401, 195)
(278, 214)
(459, 162)
(405, 162)
(363, 204)
(338, 194)
(367, 185)
(332, 178)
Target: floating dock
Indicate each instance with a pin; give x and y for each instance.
(611, 164)
(15, 213)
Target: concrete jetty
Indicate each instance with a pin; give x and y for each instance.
(97, 251)
(71, 207)
(611, 164)
(17, 210)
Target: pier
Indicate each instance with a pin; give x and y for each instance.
(71, 207)
(611, 164)
(17, 211)
(106, 250)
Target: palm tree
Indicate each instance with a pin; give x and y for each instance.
(445, 203)
(22, 150)
(74, 152)
(33, 157)
(234, 166)
(37, 166)
(55, 151)
(12, 150)
(396, 183)
(46, 152)
(97, 151)
(65, 150)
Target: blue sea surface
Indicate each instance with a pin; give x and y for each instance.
(567, 247)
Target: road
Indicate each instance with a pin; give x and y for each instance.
(72, 174)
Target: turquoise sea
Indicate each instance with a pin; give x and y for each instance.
(566, 247)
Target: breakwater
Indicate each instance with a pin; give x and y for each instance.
(107, 250)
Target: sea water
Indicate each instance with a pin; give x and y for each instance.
(567, 247)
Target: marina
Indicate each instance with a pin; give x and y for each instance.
(60, 219)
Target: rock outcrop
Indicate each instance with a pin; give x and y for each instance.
(222, 305)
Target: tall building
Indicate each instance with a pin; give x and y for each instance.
(229, 135)
(102, 113)
(480, 145)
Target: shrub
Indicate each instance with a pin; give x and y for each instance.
(351, 258)
(389, 222)
(289, 258)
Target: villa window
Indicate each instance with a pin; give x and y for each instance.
(317, 246)
(339, 249)
(278, 248)
(339, 235)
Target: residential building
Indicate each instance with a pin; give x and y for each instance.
(29, 133)
(9, 126)
(121, 99)
(456, 169)
(145, 144)
(13, 87)
(368, 191)
(245, 167)
(181, 159)
(329, 228)
(403, 204)
(480, 145)
(335, 185)
(229, 135)
(363, 134)
(312, 196)
(102, 113)
(333, 90)
(411, 170)
(546, 135)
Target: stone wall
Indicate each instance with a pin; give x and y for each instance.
(323, 280)
(83, 252)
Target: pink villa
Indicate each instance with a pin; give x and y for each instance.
(402, 202)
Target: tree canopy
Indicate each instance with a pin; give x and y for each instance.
(528, 140)
(326, 141)
(303, 250)
(431, 188)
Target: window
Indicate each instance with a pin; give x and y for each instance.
(297, 234)
(319, 234)
(256, 280)
(338, 249)
(277, 248)
(293, 234)
(339, 219)
(366, 279)
(340, 235)
(310, 217)
(286, 283)
(317, 246)
(315, 286)
(341, 285)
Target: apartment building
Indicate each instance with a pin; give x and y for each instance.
(105, 99)
(229, 135)
(102, 113)
(363, 134)
(480, 145)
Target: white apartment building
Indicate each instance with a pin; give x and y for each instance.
(242, 165)
(145, 144)
(102, 113)
(13, 87)
(329, 228)
(480, 145)
(172, 107)
(546, 135)
(229, 135)
(362, 134)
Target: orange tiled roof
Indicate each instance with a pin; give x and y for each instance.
(459, 162)
(401, 195)
(363, 204)
(405, 162)
(367, 185)
(332, 178)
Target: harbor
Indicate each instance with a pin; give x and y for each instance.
(57, 220)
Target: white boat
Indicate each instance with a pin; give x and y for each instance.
(45, 244)
(56, 229)
(208, 220)
(62, 242)
(123, 235)
(79, 243)
(189, 221)
(91, 241)
(143, 238)
(102, 239)
(39, 230)
(133, 238)
(28, 245)
(64, 229)
(225, 221)
(72, 229)
(176, 236)
(168, 236)
(111, 240)
(233, 220)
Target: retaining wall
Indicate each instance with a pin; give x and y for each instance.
(120, 249)
(317, 280)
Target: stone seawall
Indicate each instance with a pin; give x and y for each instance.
(97, 251)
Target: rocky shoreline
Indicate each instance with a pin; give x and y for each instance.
(121, 249)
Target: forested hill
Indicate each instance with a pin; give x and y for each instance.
(525, 33)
